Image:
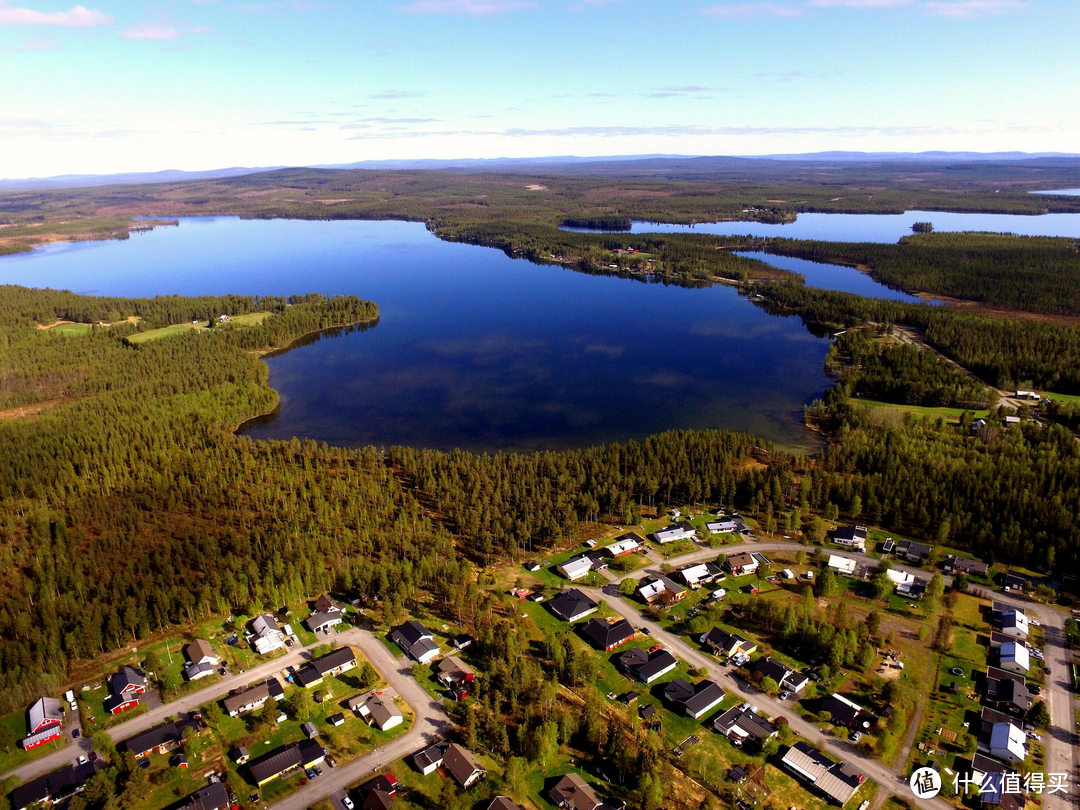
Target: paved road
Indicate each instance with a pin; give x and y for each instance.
(431, 722)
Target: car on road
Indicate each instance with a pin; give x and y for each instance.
(646, 631)
(75, 734)
(956, 671)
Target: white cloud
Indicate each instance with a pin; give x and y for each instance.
(465, 8)
(860, 3)
(74, 17)
(966, 9)
(744, 11)
(151, 32)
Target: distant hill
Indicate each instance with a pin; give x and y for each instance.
(642, 166)
(86, 180)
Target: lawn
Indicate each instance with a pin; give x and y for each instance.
(888, 413)
(13, 727)
(165, 331)
(71, 329)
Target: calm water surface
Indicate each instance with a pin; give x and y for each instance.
(1061, 192)
(827, 276)
(878, 227)
(473, 349)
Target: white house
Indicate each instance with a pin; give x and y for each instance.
(679, 531)
(851, 536)
(268, 636)
(1007, 742)
(1014, 657)
(1014, 623)
(844, 565)
(575, 568)
(626, 544)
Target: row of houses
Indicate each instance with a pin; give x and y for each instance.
(597, 559)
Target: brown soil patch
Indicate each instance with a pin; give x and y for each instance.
(28, 411)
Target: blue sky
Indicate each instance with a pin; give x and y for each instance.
(139, 85)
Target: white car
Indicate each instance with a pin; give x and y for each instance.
(1033, 736)
(82, 760)
(348, 803)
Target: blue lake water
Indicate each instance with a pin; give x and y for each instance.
(1061, 192)
(832, 276)
(473, 349)
(877, 227)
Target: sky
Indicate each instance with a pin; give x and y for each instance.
(107, 86)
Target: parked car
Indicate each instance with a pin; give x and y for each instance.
(75, 734)
(309, 773)
(855, 736)
(785, 694)
(348, 803)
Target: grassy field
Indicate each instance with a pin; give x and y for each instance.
(13, 727)
(165, 331)
(888, 413)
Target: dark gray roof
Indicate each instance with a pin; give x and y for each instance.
(164, 734)
(428, 756)
(412, 631)
(212, 797)
(570, 603)
(293, 755)
(695, 698)
(720, 638)
(127, 677)
(603, 635)
(645, 665)
(751, 723)
(52, 786)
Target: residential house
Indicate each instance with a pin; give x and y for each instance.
(843, 565)
(846, 713)
(286, 759)
(46, 722)
(720, 640)
(415, 640)
(785, 676)
(695, 700)
(1015, 581)
(607, 635)
(625, 544)
(989, 775)
(212, 797)
(701, 574)
(201, 658)
(739, 564)
(743, 726)
(52, 788)
(964, 565)
(833, 780)
(914, 588)
(853, 537)
(379, 792)
(310, 730)
(462, 641)
(661, 589)
(678, 531)
(322, 622)
(336, 720)
(324, 604)
(571, 605)
(726, 525)
(247, 700)
(377, 800)
(463, 766)
(504, 803)
(377, 709)
(457, 676)
(1014, 622)
(1013, 656)
(913, 552)
(125, 687)
(646, 665)
(1007, 691)
(160, 739)
(332, 663)
(427, 760)
(575, 568)
(267, 636)
(572, 792)
(1008, 742)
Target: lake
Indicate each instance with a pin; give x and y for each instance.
(832, 276)
(473, 349)
(1061, 192)
(875, 227)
